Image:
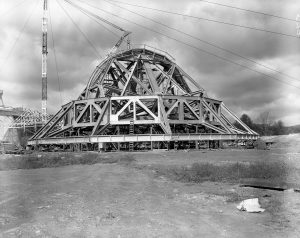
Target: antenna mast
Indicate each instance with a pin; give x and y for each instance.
(1, 99)
(44, 61)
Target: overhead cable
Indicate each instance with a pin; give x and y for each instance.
(78, 28)
(204, 41)
(96, 16)
(248, 10)
(99, 23)
(2, 14)
(211, 20)
(191, 46)
(95, 19)
(20, 33)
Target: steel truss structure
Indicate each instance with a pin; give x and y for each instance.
(140, 98)
(29, 118)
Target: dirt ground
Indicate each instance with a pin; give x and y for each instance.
(132, 200)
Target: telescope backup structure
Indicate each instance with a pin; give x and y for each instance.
(140, 98)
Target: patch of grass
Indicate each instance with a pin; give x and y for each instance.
(49, 160)
(227, 172)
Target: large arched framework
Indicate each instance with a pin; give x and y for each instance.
(140, 98)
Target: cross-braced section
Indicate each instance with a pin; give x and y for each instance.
(29, 118)
(141, 96)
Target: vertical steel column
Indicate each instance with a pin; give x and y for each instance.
(44, 61)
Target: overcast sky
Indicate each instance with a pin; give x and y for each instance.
(242, 90)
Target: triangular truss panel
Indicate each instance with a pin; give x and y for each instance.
(28, 118)
(141, 95)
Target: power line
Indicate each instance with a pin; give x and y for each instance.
(206, 42)
(78, 28)
(19, 35)
(248, 10)
(192, 46)
(210, 20)
(56, 66)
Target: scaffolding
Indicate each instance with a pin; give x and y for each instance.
(29, 119)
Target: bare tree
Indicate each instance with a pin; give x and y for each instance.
(266, 120)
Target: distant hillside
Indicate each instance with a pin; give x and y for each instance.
(274, 129)
(292, 129)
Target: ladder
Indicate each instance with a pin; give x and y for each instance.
(131, 132)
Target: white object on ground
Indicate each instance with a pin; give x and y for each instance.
(250, 205)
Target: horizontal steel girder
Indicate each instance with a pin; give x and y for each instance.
(143, 138)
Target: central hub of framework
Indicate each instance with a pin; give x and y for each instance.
(138, 97)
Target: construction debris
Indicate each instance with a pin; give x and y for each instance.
(250, 205)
